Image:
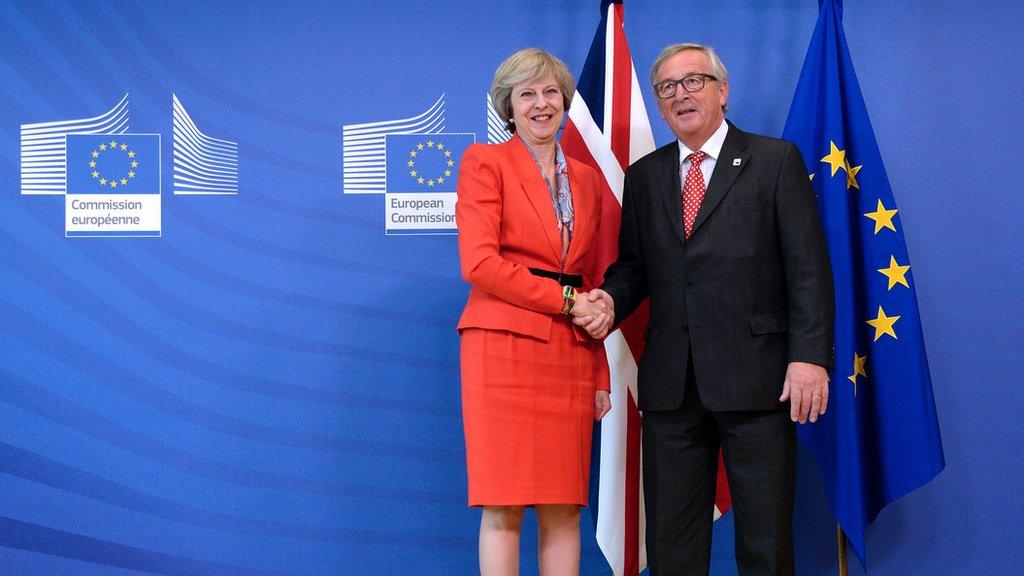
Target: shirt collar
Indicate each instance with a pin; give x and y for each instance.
(712, 147)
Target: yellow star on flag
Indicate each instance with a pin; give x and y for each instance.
(858, 370)
(95, 154)
(447, 153)
(419, 146)
(440, 180)
(413, 153)
(882, 217)
(103, 181)
(113, 183)
(92, 163)
(124, 181)
(447, 172)
(413, 173)
(135, 164)
(895, 273)
(836, 158)
(419, 180)
(451, 162)
(440, 146)
(883, 324)
(430, 182)
(124, 146)
(113, 143)
(858, 367)
(95, 174)
(851, 176)
(411, 163)
(103, 146)
(430, 143)
(131, 174)
(131, 153)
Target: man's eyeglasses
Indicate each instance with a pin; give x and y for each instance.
(691, 83)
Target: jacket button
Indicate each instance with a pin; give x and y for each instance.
(689, 284)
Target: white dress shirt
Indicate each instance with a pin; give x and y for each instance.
(712, 147)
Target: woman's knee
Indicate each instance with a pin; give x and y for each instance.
(558, 513)
(503, 517)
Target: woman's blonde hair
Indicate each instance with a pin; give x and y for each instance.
(523, 66)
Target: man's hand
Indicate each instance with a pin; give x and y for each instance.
(806, 388)
(594, 311)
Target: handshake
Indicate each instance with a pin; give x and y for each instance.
(594, 311)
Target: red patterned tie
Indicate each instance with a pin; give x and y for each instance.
(693, 191)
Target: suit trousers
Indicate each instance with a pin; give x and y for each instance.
(680, 451)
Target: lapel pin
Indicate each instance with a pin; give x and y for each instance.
(735, 161)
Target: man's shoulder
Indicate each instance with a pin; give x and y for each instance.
(759, 143)
(656, 159)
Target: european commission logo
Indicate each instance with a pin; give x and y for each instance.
(113, 185)
(420, 184)
(111, 179)
(413, 163)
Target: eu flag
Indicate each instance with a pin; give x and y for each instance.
(424, 162)
(113, 163)
(880, 438)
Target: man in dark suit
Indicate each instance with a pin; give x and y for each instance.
(720, 229)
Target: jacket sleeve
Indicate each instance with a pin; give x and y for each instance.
(478, 214)
(626, 279)
(810, 293)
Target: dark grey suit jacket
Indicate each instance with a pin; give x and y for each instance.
(748, 293)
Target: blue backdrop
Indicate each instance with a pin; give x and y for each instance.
(271, 386)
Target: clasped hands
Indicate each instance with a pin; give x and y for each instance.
(594, 311)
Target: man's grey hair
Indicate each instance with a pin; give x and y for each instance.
(717, 67)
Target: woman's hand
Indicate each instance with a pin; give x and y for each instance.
(602, 404)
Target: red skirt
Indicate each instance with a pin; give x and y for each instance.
(528, 415)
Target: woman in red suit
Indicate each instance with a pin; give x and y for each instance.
(532, 382)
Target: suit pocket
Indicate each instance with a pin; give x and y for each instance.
(768, 323)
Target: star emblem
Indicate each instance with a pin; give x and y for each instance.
(882, 217)
(836, 158)
(851, 176)
(883, 324)
(895, 273)
(858, 370)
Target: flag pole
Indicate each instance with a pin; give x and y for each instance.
(841, 545)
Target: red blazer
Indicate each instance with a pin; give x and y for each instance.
(507, 224)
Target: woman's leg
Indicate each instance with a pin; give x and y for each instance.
(558, 526)
(500, 528)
